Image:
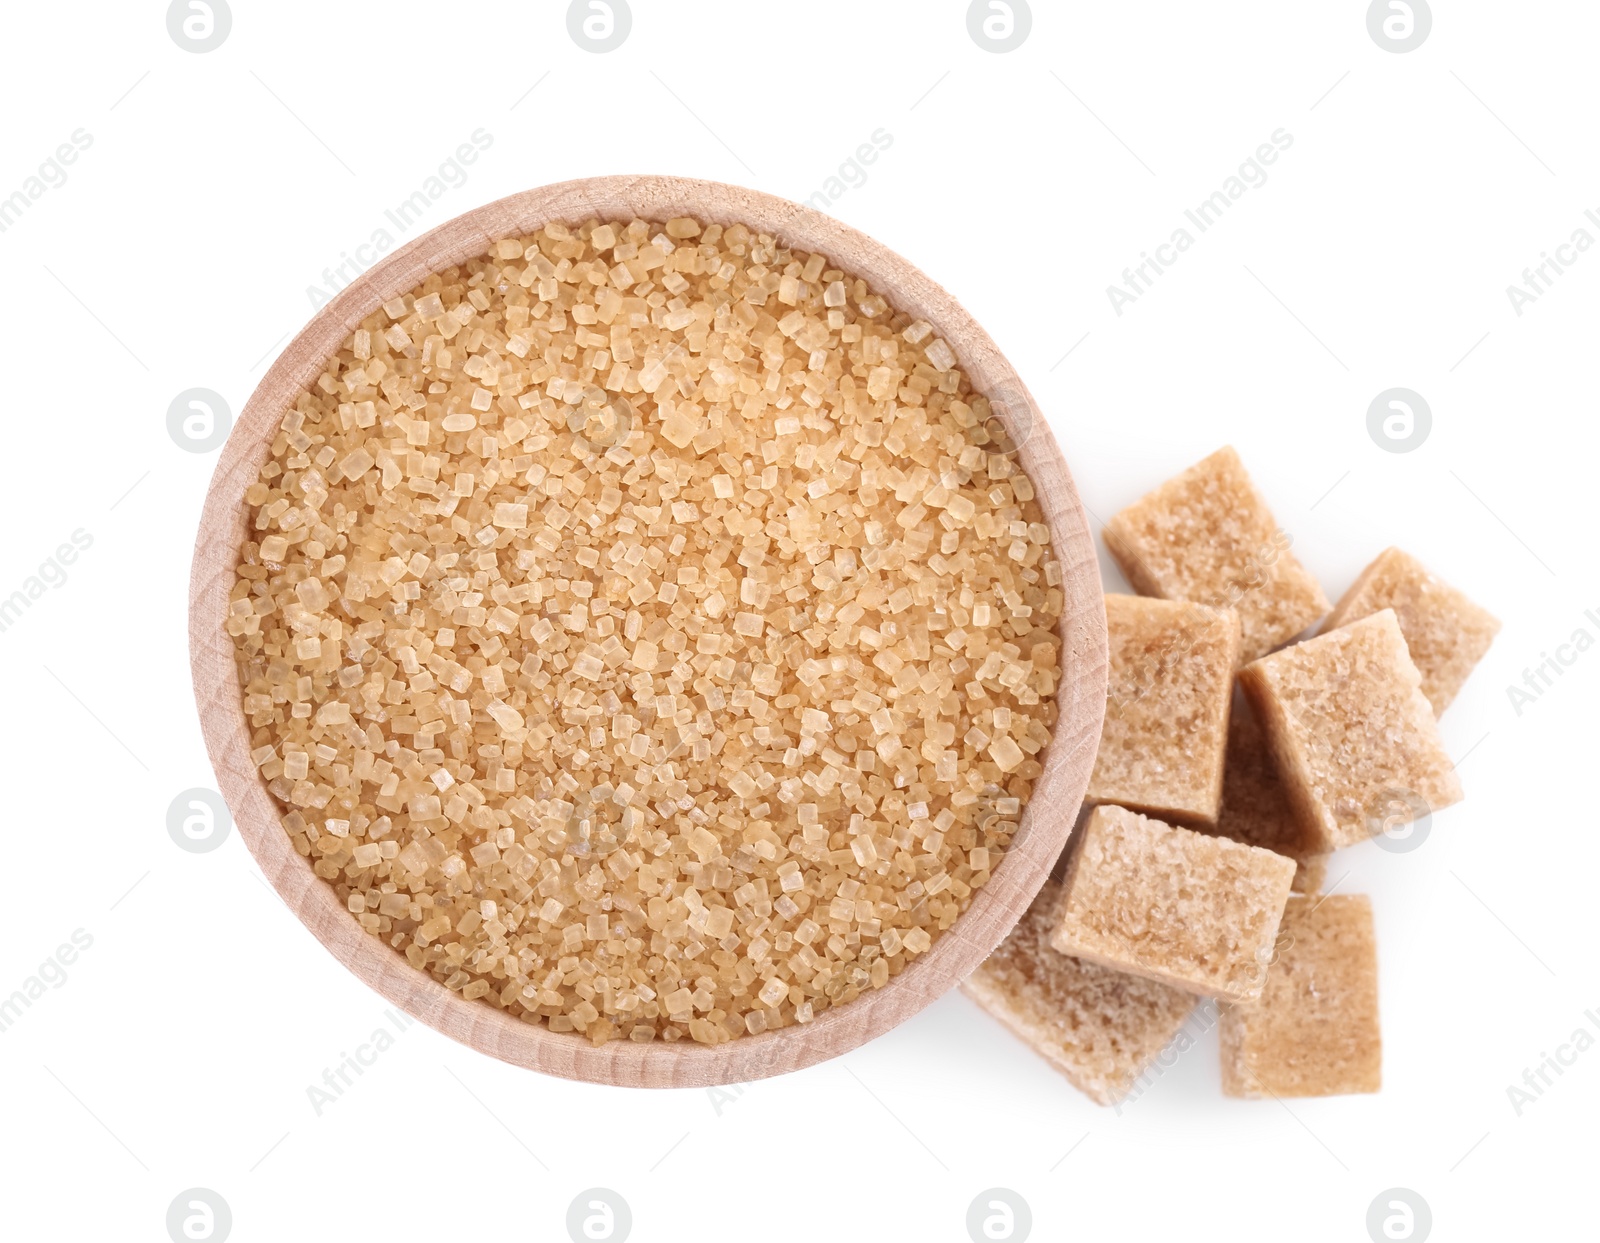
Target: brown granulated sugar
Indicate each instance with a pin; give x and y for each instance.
(645, 628)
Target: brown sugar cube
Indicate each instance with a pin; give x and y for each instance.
(1255, 806)
(1098, 1027)
(1314, 1030)
(1172, 905)
(1447, 633)
(1310, 874)
(1207, 535)
(1353, 736)
(1166, 718)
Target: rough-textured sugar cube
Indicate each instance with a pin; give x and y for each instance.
(1199, 913)
(1446, 632)
(1353, 736)
(1166, 722)
(1207, 535)
(1255, 805)
(1100, 1028)
(1314, 1029)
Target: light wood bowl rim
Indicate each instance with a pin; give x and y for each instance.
(1047, 821)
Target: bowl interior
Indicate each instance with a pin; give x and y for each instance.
(1046, 823)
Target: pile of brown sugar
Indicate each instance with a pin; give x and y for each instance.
(646, 629)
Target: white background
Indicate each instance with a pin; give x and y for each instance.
(178, 1052)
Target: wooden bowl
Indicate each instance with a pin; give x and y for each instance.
(1046, 823)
